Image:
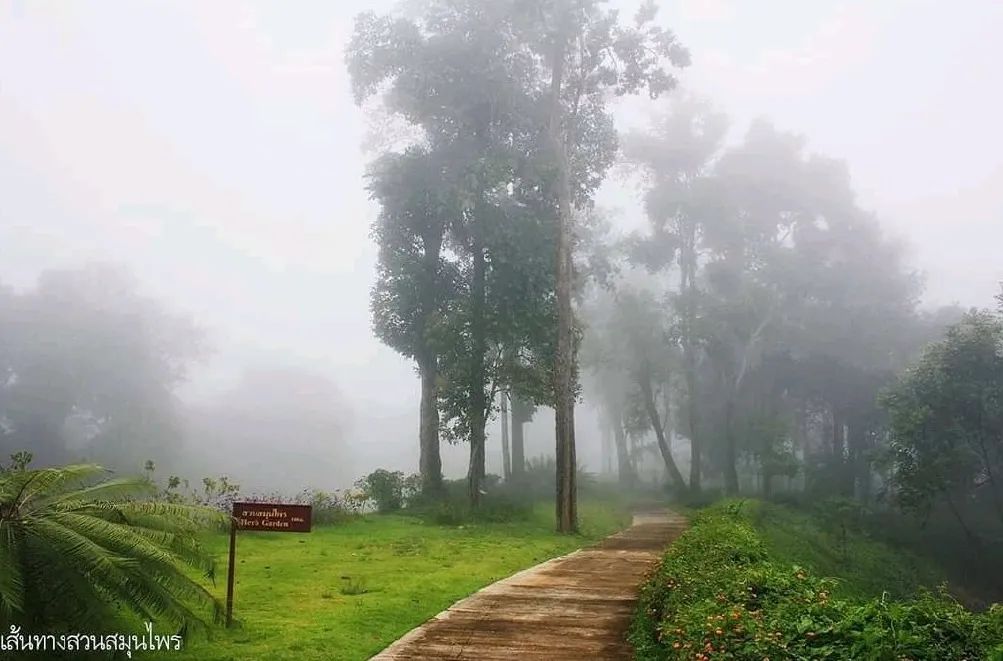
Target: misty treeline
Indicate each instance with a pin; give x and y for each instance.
(748, 331)
(89, 366)
(90, 370)
(762, 329)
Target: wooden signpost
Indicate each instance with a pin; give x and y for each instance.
(262, 517)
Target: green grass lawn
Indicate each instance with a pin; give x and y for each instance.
(294, 591)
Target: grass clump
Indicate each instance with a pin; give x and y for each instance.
(353, 586)
(721, 592)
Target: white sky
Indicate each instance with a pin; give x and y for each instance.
(214, 148)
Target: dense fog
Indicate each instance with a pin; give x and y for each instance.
(186, 256)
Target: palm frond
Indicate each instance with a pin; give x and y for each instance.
(117, 489)
(11, 579)
(45, 482)
(77, 548)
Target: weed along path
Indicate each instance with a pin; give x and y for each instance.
(574, 607)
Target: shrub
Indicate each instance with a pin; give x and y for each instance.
(389, 491)
(328, 507)
(217, 492)
(78, 548)
(718, 594)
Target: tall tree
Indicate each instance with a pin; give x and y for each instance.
(589, 54)
(416, 284)
(457, 72)
(676, 157)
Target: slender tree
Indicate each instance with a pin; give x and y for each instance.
(676, 157)
(589, 54)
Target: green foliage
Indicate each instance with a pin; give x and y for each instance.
(216, 492)
(389, 490)
(947, 419)
(79, 548)
(19, 461)
(720, 594)
(330, 507)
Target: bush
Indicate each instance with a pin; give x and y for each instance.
(328, 507)
(389, 491)
(718, 594)
(217, 492)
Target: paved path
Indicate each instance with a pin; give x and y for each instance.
(575, 607)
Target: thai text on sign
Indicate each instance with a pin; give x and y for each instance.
(272, 517)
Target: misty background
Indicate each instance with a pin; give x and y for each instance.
(214, 151)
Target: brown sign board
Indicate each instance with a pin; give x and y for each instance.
(272, 517)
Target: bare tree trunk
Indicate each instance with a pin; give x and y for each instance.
(656, 424)
(844, 485)
(730, 449)
(478, 398)
(625, 469)
(429, 462)
(519, 418)
(687, 269)
(429, 459)
(506, 458)
(564, 402)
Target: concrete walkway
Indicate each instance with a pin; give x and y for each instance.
(575, 607)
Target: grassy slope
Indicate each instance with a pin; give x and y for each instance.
(865, 568)
(744, 583)
(289, 597)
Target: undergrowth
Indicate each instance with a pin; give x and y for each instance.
(719, 593)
